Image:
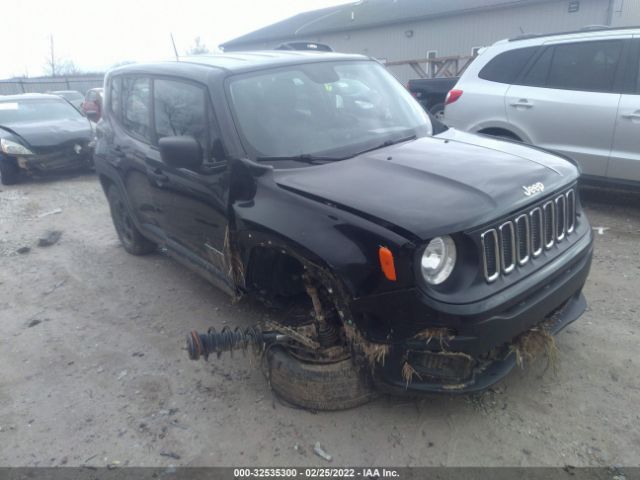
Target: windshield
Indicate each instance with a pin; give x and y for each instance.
(338, 108)
(40, 110)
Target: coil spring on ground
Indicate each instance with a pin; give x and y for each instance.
(227, 340)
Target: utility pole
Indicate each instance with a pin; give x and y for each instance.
(53, 57)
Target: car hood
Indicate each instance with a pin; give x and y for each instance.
(42, 136)
(434, 185)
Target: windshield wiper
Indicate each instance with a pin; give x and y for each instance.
(304, 158)
(388, 143)
(318, 159)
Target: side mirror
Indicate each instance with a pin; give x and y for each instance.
(93, 116)
(181, 152)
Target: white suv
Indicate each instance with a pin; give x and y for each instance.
(574, 93)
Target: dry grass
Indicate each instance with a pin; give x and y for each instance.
(375, 353)
(443, 335)
(408, 372)
(531, 344)
(233, 264)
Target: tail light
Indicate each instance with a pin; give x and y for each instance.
(452, 96)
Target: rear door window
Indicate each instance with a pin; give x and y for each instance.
(584, 66)
(506, 67)
(136, 101)
(537, 75)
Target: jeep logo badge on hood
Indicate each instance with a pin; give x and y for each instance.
(533, 189)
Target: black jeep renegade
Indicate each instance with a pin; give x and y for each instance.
(397, 253)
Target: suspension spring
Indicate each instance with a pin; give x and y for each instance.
(228, 340)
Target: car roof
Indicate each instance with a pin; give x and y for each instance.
(28, 96)
(242, 61)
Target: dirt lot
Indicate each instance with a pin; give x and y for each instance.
(93, 369)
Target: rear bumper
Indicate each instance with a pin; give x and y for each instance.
(478, 354)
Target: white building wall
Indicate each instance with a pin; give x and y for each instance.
(625, 13)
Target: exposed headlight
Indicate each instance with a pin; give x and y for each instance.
(438, 260)
(13, 148)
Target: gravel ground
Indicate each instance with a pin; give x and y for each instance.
(93, 369)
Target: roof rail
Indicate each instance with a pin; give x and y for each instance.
(585, 29)
(313, 46)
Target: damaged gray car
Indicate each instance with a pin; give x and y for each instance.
(42, 133)
(396, 254)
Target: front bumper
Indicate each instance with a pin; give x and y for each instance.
(478, 353)
(64, 160)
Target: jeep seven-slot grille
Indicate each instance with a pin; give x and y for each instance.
(518, 240)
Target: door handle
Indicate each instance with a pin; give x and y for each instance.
(118, 152)
(524, 103)
(632, 116)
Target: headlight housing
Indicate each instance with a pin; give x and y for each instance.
(438, 260)
(13, 148)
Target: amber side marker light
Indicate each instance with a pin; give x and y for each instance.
(386, 263)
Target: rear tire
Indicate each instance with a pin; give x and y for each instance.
(130, 237)
(327, 386)
(9, 171)
(438, 111)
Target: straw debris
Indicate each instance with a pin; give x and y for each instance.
(443, 335)
(531, 344)
(408, 372)
(374, 353)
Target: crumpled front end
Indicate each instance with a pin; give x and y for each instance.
(71, 155)
(466, 352)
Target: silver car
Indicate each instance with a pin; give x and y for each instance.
(574, 93)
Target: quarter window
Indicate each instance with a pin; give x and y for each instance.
(504, 68)
(180, 109)
(135, 102)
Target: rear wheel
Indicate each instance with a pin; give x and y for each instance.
(317, 386)
(9, 171)
(130, 237)
(438, 111)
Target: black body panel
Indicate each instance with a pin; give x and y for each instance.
(337, 215)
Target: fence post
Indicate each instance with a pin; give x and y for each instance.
(21, 85)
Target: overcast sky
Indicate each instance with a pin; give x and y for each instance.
(95, 35)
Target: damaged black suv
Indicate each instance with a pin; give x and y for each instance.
(396, 254)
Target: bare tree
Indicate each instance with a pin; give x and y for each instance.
(50, 65)
(56, 66)
(198, 48)
(67, 67)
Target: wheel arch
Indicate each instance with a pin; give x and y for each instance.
(500, 132)
(499, 126)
